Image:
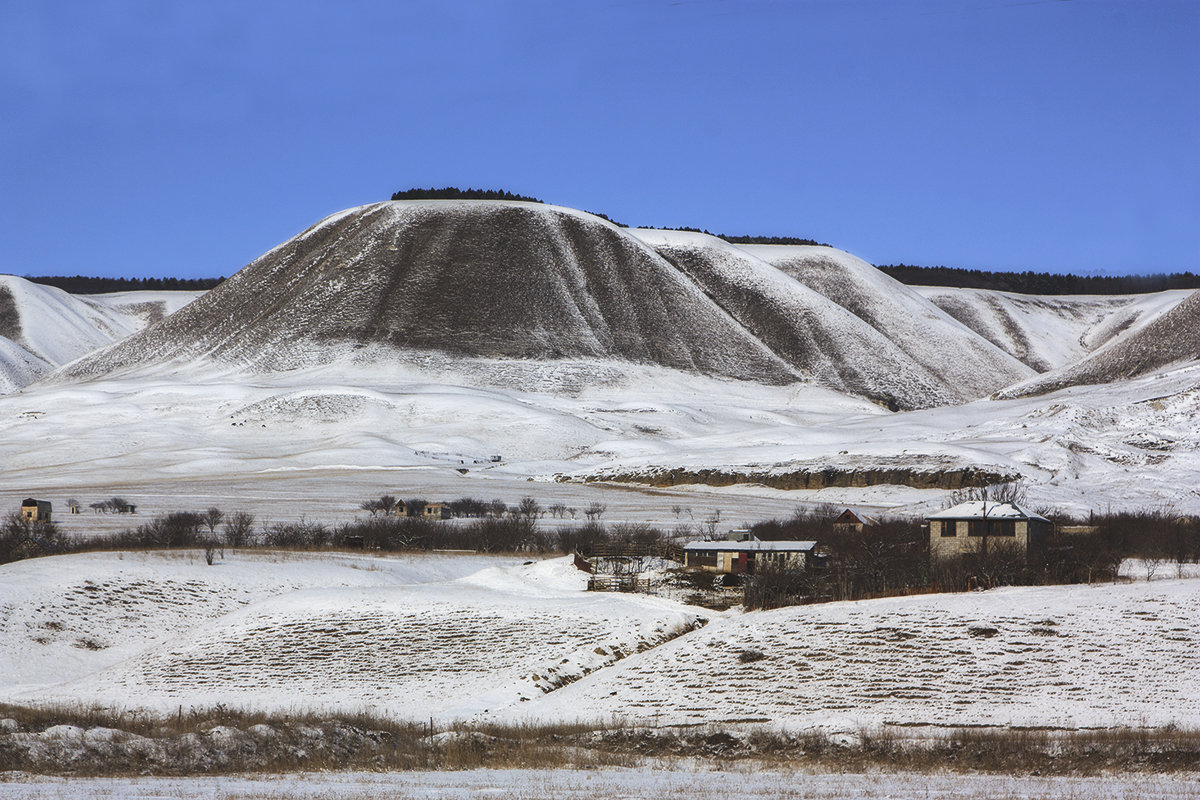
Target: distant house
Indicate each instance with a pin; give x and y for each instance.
(436, 511)
(976, 525)
(33, 510)
(747, 555)
(851, 520)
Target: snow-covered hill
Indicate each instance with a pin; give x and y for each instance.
(914, 368)
(472, 279)
(1049, 332)
(422, 338)
(963, 361)
(1170, 339)
(538, 283)
(43, 327)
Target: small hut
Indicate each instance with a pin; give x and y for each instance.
(852, 521)
(34, 510)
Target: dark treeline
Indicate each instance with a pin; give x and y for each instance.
(893, 558)
(82, 284)
(454, 193)
(1040, 282)
(745, 239)
(888, 559)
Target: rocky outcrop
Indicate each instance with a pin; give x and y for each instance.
(932, 476)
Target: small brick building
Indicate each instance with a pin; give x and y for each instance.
(976, 525)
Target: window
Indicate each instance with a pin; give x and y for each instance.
(995, 527)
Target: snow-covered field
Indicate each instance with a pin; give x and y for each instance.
(742, 782)
(408, 637)
(482, 639)
(319, 442)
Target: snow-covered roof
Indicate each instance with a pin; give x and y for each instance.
(751, 546)
(978, 509)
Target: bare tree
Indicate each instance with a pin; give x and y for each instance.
(238, 527)
(212, 518)
(711, 523)
(529, 508)
(384, 505)
(595, 511)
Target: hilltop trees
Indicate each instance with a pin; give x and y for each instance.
(455, 193)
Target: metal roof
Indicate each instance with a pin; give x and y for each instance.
(751, 546)
(978, 509)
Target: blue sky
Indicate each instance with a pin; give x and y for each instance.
(182, 138)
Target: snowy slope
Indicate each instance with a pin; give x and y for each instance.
(489, 639)
(408, 637)
(1170, 339)
(963, 360)
(416, 423)
(525, 281)
(490, 279)
(43, 327)
(811, 332)
(1048, 332)
(1063, 656)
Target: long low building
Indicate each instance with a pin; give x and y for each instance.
(747, 555)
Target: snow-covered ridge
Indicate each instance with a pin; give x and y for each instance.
(43, 327)
(1049, 332)
(529, 281)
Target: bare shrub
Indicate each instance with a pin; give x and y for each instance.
(239, 525)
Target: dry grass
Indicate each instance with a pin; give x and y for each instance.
(224, 741)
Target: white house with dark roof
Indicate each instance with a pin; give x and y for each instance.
(976, 525)
(747, 555)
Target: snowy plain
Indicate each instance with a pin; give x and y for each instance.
(661, 782)
(485, 639)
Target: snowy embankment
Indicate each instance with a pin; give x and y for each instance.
(650, 783)
(1059, 657)
(406, 637)
(482, 640)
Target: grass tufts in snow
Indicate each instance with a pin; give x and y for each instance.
(105, 742)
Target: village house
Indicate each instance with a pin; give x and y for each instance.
(737, 556)
(853, 521)
(976, 525)
(33, 510)
(436, 511)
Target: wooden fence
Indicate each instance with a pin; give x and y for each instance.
(618, 583)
